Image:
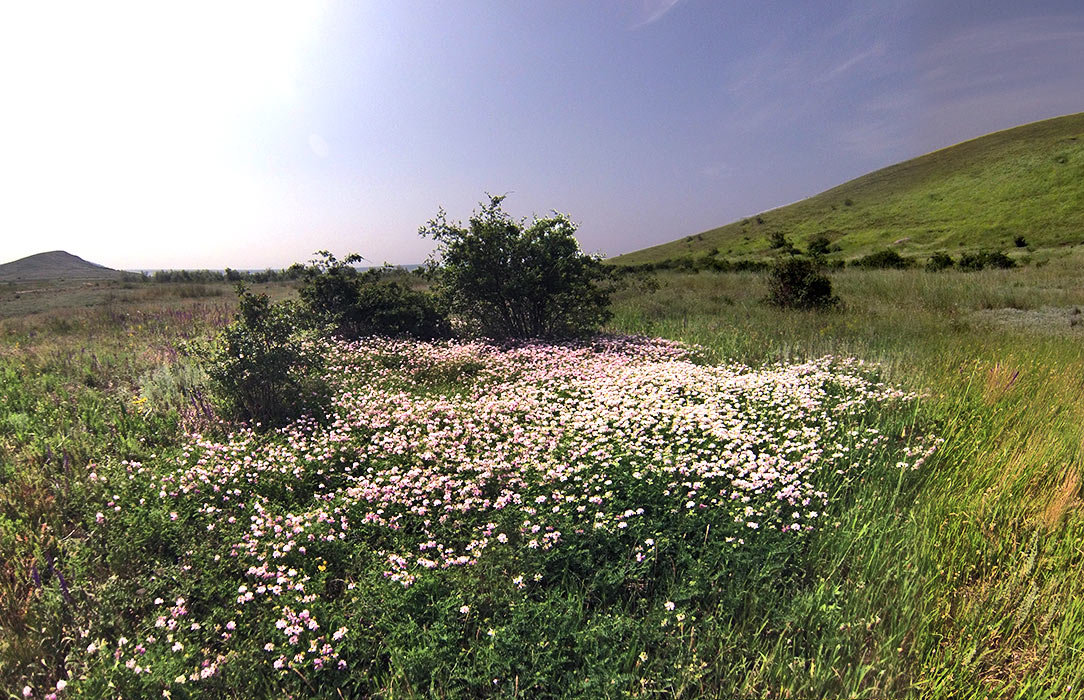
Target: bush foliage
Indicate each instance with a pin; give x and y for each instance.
(797, 283)
(985, 258)
(819, 245)
(883, 260)
(506, 279)
(939, 261)
(263, 367)
(358, 305)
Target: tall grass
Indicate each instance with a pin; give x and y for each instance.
(974, 574)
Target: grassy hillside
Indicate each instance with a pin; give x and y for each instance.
(1027, 181)
(54, 265)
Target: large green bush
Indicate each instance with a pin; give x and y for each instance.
(798, 283)
(263, 368)
(506, 279)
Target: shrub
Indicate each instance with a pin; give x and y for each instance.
(971, 261)
(330, 285)
(983, 259)
(751, 266)
(262, 369)
(777, 240)
(883, 259)
(180, 388)
(939, 261)
(818, 245)
(506, 279)
(996, 258)
(357, 305)
(392, 309)
(797, 283)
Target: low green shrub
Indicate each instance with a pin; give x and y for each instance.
(971, 262)
(998, 259)
(180, 387)
(392, 309)
(819, 245)
(263, 367)
(983, 259)
(797, 283)
(883, 260)
(358, 305)
(939, 261)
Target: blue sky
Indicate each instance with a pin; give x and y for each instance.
(250, 134)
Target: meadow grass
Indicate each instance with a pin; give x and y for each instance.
(977, 571)
(958, 579)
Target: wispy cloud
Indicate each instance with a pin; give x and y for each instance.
(1025, 51)
(1000, 74)
(653, 11)
(875, 51)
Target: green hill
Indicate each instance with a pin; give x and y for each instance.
(1026, 182)
(54, 265)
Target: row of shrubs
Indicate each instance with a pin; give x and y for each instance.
(292, 273)
(709, 263)
(879, 260)
(970, 261)
(496, 277)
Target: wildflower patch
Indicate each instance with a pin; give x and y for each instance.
(438, 457)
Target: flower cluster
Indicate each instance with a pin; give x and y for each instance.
(439, 455)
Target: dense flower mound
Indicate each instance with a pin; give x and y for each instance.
(444, 456)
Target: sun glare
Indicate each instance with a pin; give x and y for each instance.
(121, 118)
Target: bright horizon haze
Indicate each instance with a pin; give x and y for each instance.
(251, 134)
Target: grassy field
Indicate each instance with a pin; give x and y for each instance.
(976, 573)
(980, 194)
(960, 578)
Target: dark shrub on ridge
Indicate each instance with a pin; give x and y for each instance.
(819, 245)
(977, 261)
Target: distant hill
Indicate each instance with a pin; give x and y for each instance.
(1026, 182)
(54, 265)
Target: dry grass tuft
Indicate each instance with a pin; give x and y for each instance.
(1000, 379)
(1064, 498)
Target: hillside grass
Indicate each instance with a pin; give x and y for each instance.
(981, 194)
(960, 579)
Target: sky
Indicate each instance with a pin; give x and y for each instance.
(251, 134)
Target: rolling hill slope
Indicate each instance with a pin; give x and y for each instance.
(54, 265)
(980, 194)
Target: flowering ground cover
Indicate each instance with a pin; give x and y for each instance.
(454, 493)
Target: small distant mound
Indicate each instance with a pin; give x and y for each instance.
(54, 265)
